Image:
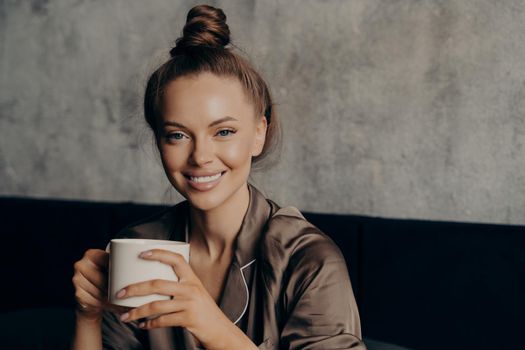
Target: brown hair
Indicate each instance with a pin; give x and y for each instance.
(202, 48)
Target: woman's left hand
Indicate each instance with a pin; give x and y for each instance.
(191, 307)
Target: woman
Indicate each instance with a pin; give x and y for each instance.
(259, 276)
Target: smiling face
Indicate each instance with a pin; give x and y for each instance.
(207, 137)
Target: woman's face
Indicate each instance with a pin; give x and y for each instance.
(207, 137)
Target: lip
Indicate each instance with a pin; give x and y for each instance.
(203, 186)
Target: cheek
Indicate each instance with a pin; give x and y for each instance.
(237, 154)
(172, 159)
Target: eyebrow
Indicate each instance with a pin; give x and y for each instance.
(215, 122)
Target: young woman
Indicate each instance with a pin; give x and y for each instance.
(259, 276)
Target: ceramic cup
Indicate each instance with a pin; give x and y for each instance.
(126, 267)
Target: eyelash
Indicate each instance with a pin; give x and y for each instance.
(230, 131)
(172, 135)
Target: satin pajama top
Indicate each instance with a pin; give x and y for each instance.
(287, 286)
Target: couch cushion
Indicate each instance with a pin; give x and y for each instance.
(37, 329)
(44, 238)
(436, 285)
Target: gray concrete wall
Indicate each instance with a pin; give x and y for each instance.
(408, 108)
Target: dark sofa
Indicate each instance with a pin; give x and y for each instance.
(418, 284)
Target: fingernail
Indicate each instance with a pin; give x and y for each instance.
(124, 316)
(142, 324)
(146, 254)
(121, 293)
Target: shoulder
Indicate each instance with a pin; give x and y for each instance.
(297, 256)
(157, 226)
(292, 238)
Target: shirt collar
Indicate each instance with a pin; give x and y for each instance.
(253, 223)
(235, 296)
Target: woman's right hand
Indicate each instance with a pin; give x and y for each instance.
(90, 280)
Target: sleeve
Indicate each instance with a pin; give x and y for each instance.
(119, 335)
(319, 302)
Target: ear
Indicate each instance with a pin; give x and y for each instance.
(260, 136)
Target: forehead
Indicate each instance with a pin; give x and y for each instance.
(204, 98)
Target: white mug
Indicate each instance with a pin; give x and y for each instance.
(126, 267)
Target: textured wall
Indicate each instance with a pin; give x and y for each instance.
(401, 108)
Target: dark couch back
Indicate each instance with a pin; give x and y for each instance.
(421, 284)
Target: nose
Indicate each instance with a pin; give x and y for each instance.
(202, 152)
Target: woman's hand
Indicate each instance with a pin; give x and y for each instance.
(191, 307)
(90, 281)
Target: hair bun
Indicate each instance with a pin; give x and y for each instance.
(205, 27)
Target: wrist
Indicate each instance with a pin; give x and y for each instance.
(235, 339)
(88, 332)
(88, 319)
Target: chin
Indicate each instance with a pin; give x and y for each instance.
(205, 202)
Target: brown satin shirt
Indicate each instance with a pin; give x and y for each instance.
(287, 286)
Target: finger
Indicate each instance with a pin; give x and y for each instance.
(97, 257)
(177, 319)
(87, 300)
(117, 308)
(81, 282)
(94, 276)
(181, 267)
(154, 308)
(157, 286)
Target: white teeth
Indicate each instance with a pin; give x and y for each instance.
(202, 179)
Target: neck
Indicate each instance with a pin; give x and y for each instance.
(214, 231)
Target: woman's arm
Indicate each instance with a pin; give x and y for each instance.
(97, 324)
(90, 282)
(88, 334)
(321, 309)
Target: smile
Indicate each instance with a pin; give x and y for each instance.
(204, 183)
(204, 179)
